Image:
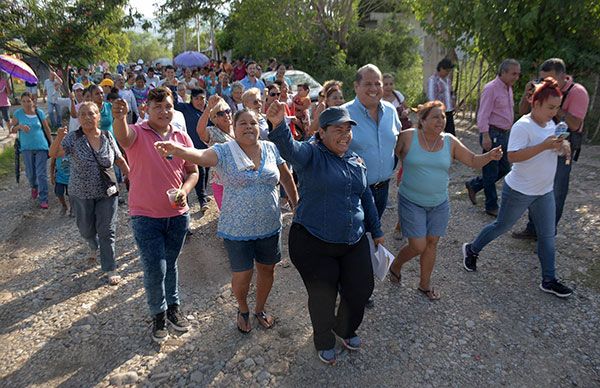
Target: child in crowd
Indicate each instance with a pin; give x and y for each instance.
(302, 103)
(211, 83)
(59, 177)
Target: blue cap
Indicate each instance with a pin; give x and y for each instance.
(335, 115)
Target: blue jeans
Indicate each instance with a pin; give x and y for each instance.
(159, 241)
(380, 196)
(55, 114)
(37, 171)
(97, 224)
(493, 171)
(561, 189)
(514, 204)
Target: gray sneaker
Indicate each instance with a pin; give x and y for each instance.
(176, 319)
(159, 328)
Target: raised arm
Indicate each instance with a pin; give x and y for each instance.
(125, 135)
(73, 110)
(296, 152)
(314, 123)
(203, 121)
(464, 155)
(56, 149)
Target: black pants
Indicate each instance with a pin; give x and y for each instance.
(203, 175)
(450, 123)
(326, 269)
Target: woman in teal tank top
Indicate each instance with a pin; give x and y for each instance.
(426, 153)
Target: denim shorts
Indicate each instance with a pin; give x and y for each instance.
(418, 221)
(60, 189)
(242, 254)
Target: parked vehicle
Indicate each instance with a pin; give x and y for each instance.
(297, 77)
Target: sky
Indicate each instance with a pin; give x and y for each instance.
(145, 7)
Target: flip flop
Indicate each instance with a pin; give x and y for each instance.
(395, 277)
(265, 320)
(430, 293)
(246, 317)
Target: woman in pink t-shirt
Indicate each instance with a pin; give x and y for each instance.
(159, 220)
(4, 101)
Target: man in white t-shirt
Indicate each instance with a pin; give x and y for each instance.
(128, 96)
(52, 89)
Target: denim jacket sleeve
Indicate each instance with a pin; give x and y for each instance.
(298, 153)
(372, 223)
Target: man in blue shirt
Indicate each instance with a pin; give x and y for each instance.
(191, 112)
(375, 135)
(250, 80)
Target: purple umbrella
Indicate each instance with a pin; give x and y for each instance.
(17, 68)
(191, 59)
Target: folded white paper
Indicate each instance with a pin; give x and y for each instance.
(381, 259)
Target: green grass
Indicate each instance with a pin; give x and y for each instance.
(7, 162)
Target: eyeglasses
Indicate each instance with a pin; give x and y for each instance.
(274, 94)
(224, 112)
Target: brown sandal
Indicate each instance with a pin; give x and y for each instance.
(265, 320)
(430, 293)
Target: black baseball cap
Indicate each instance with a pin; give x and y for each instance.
(335, 115)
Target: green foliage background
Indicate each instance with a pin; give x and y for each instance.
(289, 31)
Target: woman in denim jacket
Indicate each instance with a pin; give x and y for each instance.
(327, 241)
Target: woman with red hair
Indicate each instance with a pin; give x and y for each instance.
(533, 149)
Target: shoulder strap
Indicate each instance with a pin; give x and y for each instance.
(102, 133)
(42, 126)
(565, 94)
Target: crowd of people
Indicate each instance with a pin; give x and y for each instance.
(161, 137)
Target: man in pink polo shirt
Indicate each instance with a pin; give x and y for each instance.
(159, 226)
(574, 106)
(494, 120)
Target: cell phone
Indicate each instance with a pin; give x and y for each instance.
(563, 135)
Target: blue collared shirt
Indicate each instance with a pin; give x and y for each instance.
(375, 142)
(336, 205)
(249, 84)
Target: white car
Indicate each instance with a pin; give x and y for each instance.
(297, 77)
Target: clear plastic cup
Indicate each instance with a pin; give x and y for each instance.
(173, 194)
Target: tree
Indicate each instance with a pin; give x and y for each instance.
(146, 46)
(60, 33)
(390, 45)
(531, 31)
(281, 30)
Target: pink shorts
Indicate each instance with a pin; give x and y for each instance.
(218, 192)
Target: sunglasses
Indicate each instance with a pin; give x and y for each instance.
(256, 102)
(274, 94)
(224, 112)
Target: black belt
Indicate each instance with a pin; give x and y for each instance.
(499, 129)
(379, 185)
